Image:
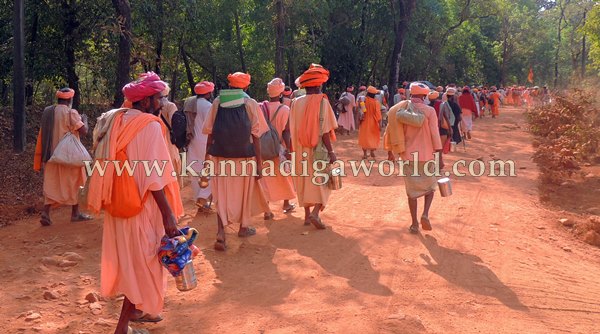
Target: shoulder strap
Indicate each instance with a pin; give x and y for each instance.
(277, 111)
(166, 122)
(321, 120)
(132, 128)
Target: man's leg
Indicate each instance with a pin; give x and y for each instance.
(45, 219)
(75, 211)
(412, 205)
(220, 244)
(314, 217)
(126, 311)
(428, 201)
(307, 215)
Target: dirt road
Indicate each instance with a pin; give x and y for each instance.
(497, 261)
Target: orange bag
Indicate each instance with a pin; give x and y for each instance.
(125, 195)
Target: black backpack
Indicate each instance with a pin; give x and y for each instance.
(177, 128)
(231, 134)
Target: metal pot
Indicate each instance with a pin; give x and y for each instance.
(187, 278)
(204, 178)
(335, 178)
(445, 187)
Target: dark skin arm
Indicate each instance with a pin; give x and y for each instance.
(287, 139)
(169, 220)
(327, 142)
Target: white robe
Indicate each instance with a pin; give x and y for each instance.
(197, 147)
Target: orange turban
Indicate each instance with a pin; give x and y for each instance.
(204, 87)
(147, 85)
(287, 91)
(417, 88)
(372, 90)
(433, 95)
(401, 90)
(275, 87)
(65, 95)
(239, 80)
(315, 76)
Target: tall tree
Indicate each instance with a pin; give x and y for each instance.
(279, 38)
(19, 76)
(70, 28)
(123, 11)
(402, 11)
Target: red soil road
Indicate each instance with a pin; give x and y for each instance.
(494, 263)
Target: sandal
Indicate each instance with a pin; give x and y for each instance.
(414, 229)
(45, 220)
(220, 245)
(205, 209)
(81, 217)
(268, 216)
(147, 317)
(425, 223)
(290, 208)
(316, 221)
(246, 231)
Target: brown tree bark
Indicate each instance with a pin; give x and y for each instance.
(160, 36)
(188, 70)
(123, 13)
(279, 38)
(70, 28)
(31, 58)
(19, 139)
(403, 10)
(238, 33)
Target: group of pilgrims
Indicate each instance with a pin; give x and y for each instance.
(140, 208)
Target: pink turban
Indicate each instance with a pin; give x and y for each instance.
(147, 85)
(204, 87)
(65, 95)
(287, 91)
(275, 87)
(315, 76)
(417, 88)
(350, 89)
(239, 80)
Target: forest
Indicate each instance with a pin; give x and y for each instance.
(95, 47)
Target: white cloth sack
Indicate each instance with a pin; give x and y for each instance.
(70, 151)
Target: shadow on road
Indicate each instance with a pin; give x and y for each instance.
(468, 272)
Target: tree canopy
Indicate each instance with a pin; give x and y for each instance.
(496, 42)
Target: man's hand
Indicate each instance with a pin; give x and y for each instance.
(170, 224)
(332, 157)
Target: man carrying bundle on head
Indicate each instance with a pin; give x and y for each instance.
(140, 208)
(197, 109)
(369, 133)
(233, 128)
(312, 125)
(61, 182)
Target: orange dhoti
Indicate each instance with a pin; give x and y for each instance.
(369, 132)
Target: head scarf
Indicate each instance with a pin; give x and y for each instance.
(315, 76)
(417, 88)
(287, 91)
(350, 89)
(204, 87)
(166, 91)
(148, 84)
(65, 95)
(439, 89)
(239, 80)
(361, 88)
(451, 91)
(372, 90)
(275, 87)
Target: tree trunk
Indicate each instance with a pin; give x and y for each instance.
(279, 39)
(403, 12)
(188, 70)
(160, 37)
(70, 26)
(583, 55)
(559, 36)
(123, 12)
(31, 58)
(238, 32)
(19, 139)
(361, 41)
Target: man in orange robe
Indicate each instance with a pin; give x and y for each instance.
(495, 96)
(369, 132)
(61, 182)
(278, 187)
(235, 190)
(312, 122)
(130, 241)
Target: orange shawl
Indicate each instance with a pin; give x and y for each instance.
(100, 187)
(310, 125)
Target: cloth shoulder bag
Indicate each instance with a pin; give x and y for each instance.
(270, 144)
(409, 116)
(320, 152)
(70, 151)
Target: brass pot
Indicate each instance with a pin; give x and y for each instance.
(335, 178)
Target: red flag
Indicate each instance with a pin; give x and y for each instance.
(530, 76)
